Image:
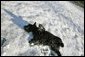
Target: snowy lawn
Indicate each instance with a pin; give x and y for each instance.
(61, 18)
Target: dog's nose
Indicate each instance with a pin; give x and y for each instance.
(25, 27)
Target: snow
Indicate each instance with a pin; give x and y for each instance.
(61, 18)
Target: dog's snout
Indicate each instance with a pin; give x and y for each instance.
(26, 27)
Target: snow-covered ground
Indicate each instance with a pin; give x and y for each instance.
(61, 18)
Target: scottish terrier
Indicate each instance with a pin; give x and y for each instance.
(41, 36)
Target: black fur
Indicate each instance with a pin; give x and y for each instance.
(44, 37)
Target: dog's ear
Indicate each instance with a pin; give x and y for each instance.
(41, 27)
(34, 24)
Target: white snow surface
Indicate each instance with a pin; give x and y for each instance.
(61, 18)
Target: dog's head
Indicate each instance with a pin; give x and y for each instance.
(30, 27)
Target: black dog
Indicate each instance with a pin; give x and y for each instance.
(44, 37)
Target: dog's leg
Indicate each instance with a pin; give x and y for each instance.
(55, 50)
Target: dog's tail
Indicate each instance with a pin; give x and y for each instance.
(62, 45)
(59, 42)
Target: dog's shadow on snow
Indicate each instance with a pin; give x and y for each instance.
(18, 20)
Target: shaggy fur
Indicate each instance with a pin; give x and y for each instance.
(44, 37)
